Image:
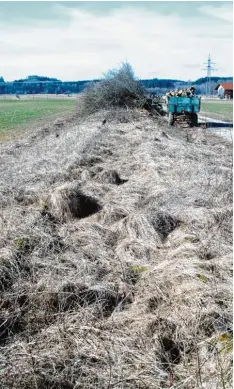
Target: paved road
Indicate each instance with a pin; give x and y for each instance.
(219, 127)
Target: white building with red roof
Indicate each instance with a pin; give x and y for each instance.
(225, 89)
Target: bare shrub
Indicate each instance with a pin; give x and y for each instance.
(118, 89)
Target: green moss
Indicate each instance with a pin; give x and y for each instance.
(223, 342)
(191, 239)
(202, 277)
(24, 245)
(139, 269)
(20, 243)
(44, 204)
(227, 342)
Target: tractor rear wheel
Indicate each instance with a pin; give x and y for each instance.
(170, 119)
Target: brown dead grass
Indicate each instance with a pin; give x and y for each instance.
(138, 293)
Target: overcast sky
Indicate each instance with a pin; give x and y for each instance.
(82, 40)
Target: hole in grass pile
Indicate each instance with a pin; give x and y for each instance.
(69, 201)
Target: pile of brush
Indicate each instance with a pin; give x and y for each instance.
(189, 92)
(154, 105)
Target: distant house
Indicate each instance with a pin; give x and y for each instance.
(225, 90)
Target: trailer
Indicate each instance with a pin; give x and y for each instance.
(183, 109)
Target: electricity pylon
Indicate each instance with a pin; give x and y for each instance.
(209, 68)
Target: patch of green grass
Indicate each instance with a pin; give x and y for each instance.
(15, 114)
(218, 109)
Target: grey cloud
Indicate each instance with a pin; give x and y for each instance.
(87, 44)
(192, 65)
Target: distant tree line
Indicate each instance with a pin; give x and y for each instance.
(44, 85)
(163, 83)
(162, 86)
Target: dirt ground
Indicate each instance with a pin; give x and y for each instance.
(116, 256)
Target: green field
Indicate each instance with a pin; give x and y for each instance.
(19, 114)
(218, 109)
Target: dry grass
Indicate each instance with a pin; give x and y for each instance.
(136, 293)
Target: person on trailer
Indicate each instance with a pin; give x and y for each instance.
(192, 90)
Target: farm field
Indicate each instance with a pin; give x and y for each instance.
(18, 114)
(217, 109)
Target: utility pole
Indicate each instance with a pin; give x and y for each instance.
(209, 68)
